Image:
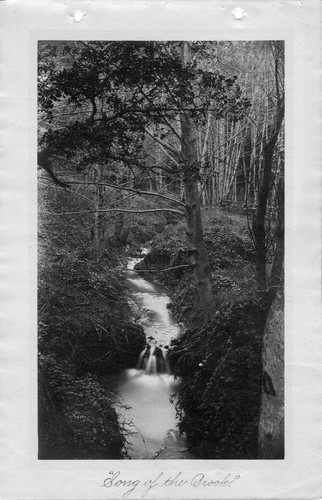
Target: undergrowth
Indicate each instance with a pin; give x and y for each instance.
(220, 368)
(76, 415)
(85, 329)
(84, 316)
(219, 363)
(231, 260)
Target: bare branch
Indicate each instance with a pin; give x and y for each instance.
(165, 147)
(161, 270)
(139, 192)
(152, 210)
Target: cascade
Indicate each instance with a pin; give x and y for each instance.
(153, 360)
(147, 388)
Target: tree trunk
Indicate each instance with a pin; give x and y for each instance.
(196, 244)
(122, 221)
(276, 275)
(271, 424)
(191, 177)
(263, 194)
(98, 231)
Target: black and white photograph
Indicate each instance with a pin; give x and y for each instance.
(160, 253)
(161, 249)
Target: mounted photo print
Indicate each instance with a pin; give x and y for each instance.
(163, 260)
(161, 249)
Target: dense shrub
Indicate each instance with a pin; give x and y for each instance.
(85, 326)
(76, 416)
(144, 228)
(231, 259)
(84, 316)
(219, 364)
(220, 368)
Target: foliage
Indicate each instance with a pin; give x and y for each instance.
(85, 318)
(231, 259)
(144, 228)
(84, 315)
(121, 92)
(218, 363)
(117, 117)
(85, 325)
(102, 99)
(220, 367)
(86, 411)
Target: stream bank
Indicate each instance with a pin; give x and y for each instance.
(82, 335)
(219, 362)
(85, 329)
(147, 388)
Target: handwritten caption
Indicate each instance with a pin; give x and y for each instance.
(143, 487)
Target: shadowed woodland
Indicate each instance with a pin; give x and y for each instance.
(177, 147)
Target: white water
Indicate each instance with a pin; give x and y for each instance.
(147, 388)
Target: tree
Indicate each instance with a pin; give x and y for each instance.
(270, 286)
(199, 257)
(271, 424)
(122, 93)
(267, 285)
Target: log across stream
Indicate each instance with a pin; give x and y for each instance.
(148, 387)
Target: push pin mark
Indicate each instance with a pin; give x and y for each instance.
(238, 13)
(78, 16)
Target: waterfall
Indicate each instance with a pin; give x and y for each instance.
(153, 360)
(153, 301)
(147, 389)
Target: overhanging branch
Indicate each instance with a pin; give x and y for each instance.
(161, 270)
(139, 192)
(105, 210)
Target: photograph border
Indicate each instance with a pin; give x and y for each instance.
(298, 475)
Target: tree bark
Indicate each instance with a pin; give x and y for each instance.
(196, 244)
(191, 175)
(44, 162)
(276, 275)
(98, 231)
(122, 223)
(263, 194)
(271, 424)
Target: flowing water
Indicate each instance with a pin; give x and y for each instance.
(148, 387)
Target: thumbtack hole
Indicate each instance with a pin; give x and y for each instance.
(238, 13)
(78, 16)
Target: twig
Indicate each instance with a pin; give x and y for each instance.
(160, 270)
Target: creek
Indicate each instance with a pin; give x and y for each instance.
(147, 388)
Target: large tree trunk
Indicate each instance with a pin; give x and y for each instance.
(196, 244)
(271, 425)
(265, 185)
(276, 275)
